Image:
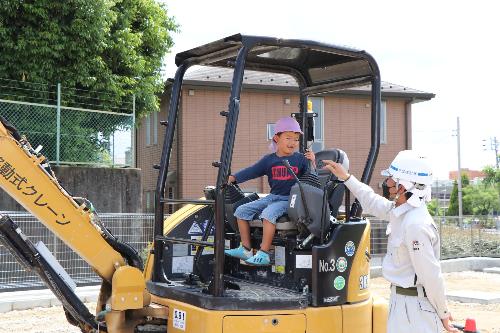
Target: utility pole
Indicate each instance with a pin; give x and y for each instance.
(459, 176)
(494, 143)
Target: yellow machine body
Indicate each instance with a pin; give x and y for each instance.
(352, 318)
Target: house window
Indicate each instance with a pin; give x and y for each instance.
(383, 122)
(270, 131)
(148, 202)
(147, 126)
(171, 195)
(319, 139)
(155, 128)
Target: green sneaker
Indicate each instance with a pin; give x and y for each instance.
(239, 252)
(261, 258)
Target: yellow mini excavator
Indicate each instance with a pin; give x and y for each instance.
(318, 278)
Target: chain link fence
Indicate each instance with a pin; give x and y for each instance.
(477, 236)
(474, 236)
(134, 229)
(73, 127)
(469, 236)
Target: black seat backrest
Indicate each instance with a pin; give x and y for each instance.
(336, 196)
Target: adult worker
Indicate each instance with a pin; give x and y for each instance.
(411, 265)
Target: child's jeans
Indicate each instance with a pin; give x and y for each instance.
(271, 207)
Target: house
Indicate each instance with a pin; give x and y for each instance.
(471, 174)
(343, 122)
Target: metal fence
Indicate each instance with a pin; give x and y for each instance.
(469, 236)
(134, 229)
(477, 236)
(473, 236)
(73, 128)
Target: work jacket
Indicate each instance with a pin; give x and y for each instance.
(413, 245)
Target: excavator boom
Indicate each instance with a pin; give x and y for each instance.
(24, 177)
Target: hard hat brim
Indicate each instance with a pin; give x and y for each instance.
(386, 173)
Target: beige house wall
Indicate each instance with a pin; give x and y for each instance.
(201, 129)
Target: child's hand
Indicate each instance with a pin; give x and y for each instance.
(231, 179)
(309, 154)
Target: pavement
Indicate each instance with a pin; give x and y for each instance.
(28, 299)
(473, 296)
(495, 270)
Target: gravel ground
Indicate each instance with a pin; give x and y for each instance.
(52, 320)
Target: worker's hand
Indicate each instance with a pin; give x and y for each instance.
(309, 154)
(231, 179)
(336, 168)
(447, 324)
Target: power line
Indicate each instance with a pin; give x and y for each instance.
(494, 146)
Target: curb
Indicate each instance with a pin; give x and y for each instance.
(28, 299)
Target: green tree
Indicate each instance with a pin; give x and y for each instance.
(480, 200)
(453, 205)
(114, 48)
(492, 177)
(433, 208)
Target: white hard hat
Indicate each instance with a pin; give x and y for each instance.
(414, 172)
(409, 165)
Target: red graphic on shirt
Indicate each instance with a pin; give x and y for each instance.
(281, 172)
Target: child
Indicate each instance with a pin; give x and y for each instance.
(285, 141)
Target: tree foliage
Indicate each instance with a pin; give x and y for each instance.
(433, 208)
(492, 177)
(114, 48)
(453, 205)
(481, 199)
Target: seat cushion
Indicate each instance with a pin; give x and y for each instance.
(282, 224)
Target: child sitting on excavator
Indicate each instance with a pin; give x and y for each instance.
(285, 141)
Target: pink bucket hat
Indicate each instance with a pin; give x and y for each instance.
(285, 124)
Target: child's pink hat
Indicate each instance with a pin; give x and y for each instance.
(285, 124)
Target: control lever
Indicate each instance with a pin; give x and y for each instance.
(306, 210)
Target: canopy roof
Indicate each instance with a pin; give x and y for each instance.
(318, 67)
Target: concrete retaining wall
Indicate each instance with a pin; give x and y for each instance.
(110, 190)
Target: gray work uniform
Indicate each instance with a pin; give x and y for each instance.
(412, 260)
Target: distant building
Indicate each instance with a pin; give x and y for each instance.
(471, 174)
(343, 122)
(441, 191)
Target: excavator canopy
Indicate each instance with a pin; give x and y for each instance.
(318, 67)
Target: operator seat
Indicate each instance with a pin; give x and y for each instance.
(335, 193)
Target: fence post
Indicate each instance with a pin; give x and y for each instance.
(132, 149)
(471, 238)
(58, 124)
(113, 159)
(440, 223)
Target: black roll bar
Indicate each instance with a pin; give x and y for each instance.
(225, 166)
(158, 273)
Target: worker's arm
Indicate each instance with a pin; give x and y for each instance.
(371, 202)
(420, 241)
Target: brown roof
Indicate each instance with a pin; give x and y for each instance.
(216, 76)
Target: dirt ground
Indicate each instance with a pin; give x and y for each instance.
(487, 316)
(52, 320)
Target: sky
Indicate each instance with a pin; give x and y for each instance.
(448, 48)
